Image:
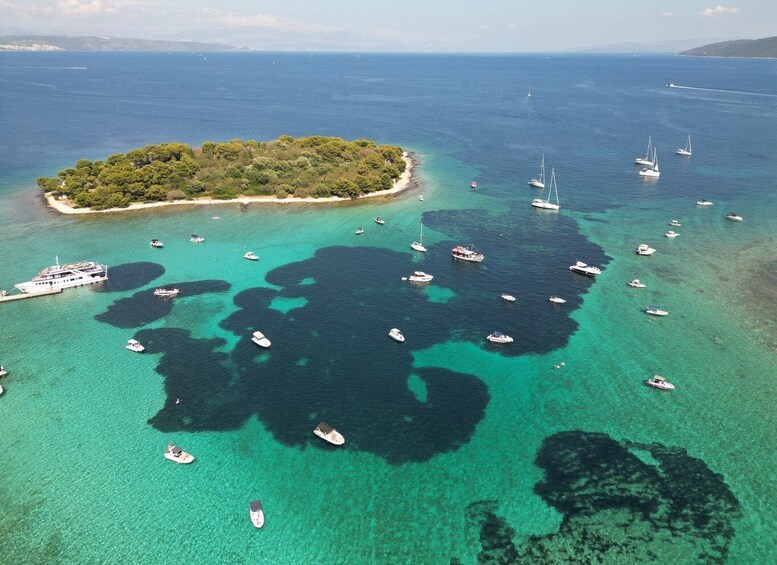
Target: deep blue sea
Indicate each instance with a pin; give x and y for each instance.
(547, 450)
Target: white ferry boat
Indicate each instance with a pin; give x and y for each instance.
(467, 253)
(65, 276)
(328, 433)
(585, 269)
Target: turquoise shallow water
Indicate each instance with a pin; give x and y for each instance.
(455, 449)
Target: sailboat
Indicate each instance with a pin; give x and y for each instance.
(646, 161)
(529, 95)
(540, 182)
(419, 245)
(652, 171)
(546, 203)
(686, 151)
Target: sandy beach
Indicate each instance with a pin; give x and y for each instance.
(402, 183)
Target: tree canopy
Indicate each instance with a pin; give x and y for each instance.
(314, 166)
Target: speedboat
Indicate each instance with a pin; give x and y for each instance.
(175, 453)
(134, 345)
(396, 335)
(256, 513)
(421, 198)
(704, 202)
(636, 283)
(359, 231)
(557, 300)
(670, 85)
(467, 253)
(671, 234)
(251, 256)
(645, 249)
(328, 433)
(659, 382)
(734, 217)
(166, 292)
(508, 297)
(584, 269)
(675, 223)
(259, 339)
(379, 221)
(194, 238)
(474, 185)
(655, 310)
(3, 371)
(499, 337)
(156, 243)
(420, 277)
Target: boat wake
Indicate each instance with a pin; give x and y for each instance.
(723, 90)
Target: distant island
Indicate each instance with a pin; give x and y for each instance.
(87, 43)
(305, 169)
(765, 48)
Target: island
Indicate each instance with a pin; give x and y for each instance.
(287, 169)
(91, 43)
(765, 48)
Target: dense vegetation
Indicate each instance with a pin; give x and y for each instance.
(765, 48)
(303, 167)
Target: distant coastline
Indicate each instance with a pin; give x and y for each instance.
(401, 184)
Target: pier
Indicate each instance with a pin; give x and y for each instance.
(23, 295)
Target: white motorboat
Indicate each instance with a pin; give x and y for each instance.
(704, 202)
(733, 216)
(328, 433)
(194, 238)
(251, 256)
(467, 253)
(134, 345)
(259, 339)
(646, 161)
(65, 276)
(686, 151)
(474, 185)
(2, 390)
(508, 297)
(166, 292)
(175, 453)
(675, 223)
(3, 371)
(256, 513)
(539, 182)
(545, 203)
(419, 245)
(655, 310)
(645, 249)
(156, 243)
(420, 277)
(216, 218)
(671, 234)
(651, 171)
(557, 300)
(380, 221)
(396, 335)
(659, 382)
(421, 198)
(584, 269)
(359, 231)
(636, 283)
(499, 337)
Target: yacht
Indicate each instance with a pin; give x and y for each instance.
(259, 339)
(328, 433)
(651, 171)
(379, 221)
(539, 182)
(65, 276)
(584, 269)
(704, 202)
(175, 453)
(194, 238)
(671, 234)
(467, 253)
(419, 245)
(156, 243)
(251, 256)
(655, 310)
(733, 216)
(545, 203)
(675, 223)
(557, 300)
(135, 345)
(359, 231)
(420, 277)
(646, 160)
(499, 337)
(166, 292)
(256, 513)
(396, 335)
(686, 151)
(645, 249)
(659, 382)
(508, 297)
(636, 283)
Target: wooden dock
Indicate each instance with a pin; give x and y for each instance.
(23, 295)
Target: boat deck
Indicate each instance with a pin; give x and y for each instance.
(23, 295)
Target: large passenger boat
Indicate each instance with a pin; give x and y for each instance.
(467, 253)
(65, 276)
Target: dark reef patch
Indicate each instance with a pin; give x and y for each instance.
(495, 535)
(130, 276)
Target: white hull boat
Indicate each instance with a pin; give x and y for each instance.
(675, 223)
(686, 151)
(584, 269)
(734, 217)
(251, 256)
(259, 339)
(499, 337)
(166, 292)
(645, 249)
(467, 253)
(176, 454)
(508, 297)
(396, 335)
(671, 234)
(194, 238)
(704, 202)
(654, 310)
(359, 231)
(660, 383)
(134, 345)
(328, 433)
(646, 160)
(557, 300)
(419, 245)
(636, 283)
(651, 171)
(546, 203)
(380, 221)
(420, 277)
(539, 182)
(65, 276)
(156, 243)
(256, 513)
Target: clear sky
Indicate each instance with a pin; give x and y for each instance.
(397, 25)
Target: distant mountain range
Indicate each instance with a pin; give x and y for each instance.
(648, 47)
(759, 48)
(85, 43)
